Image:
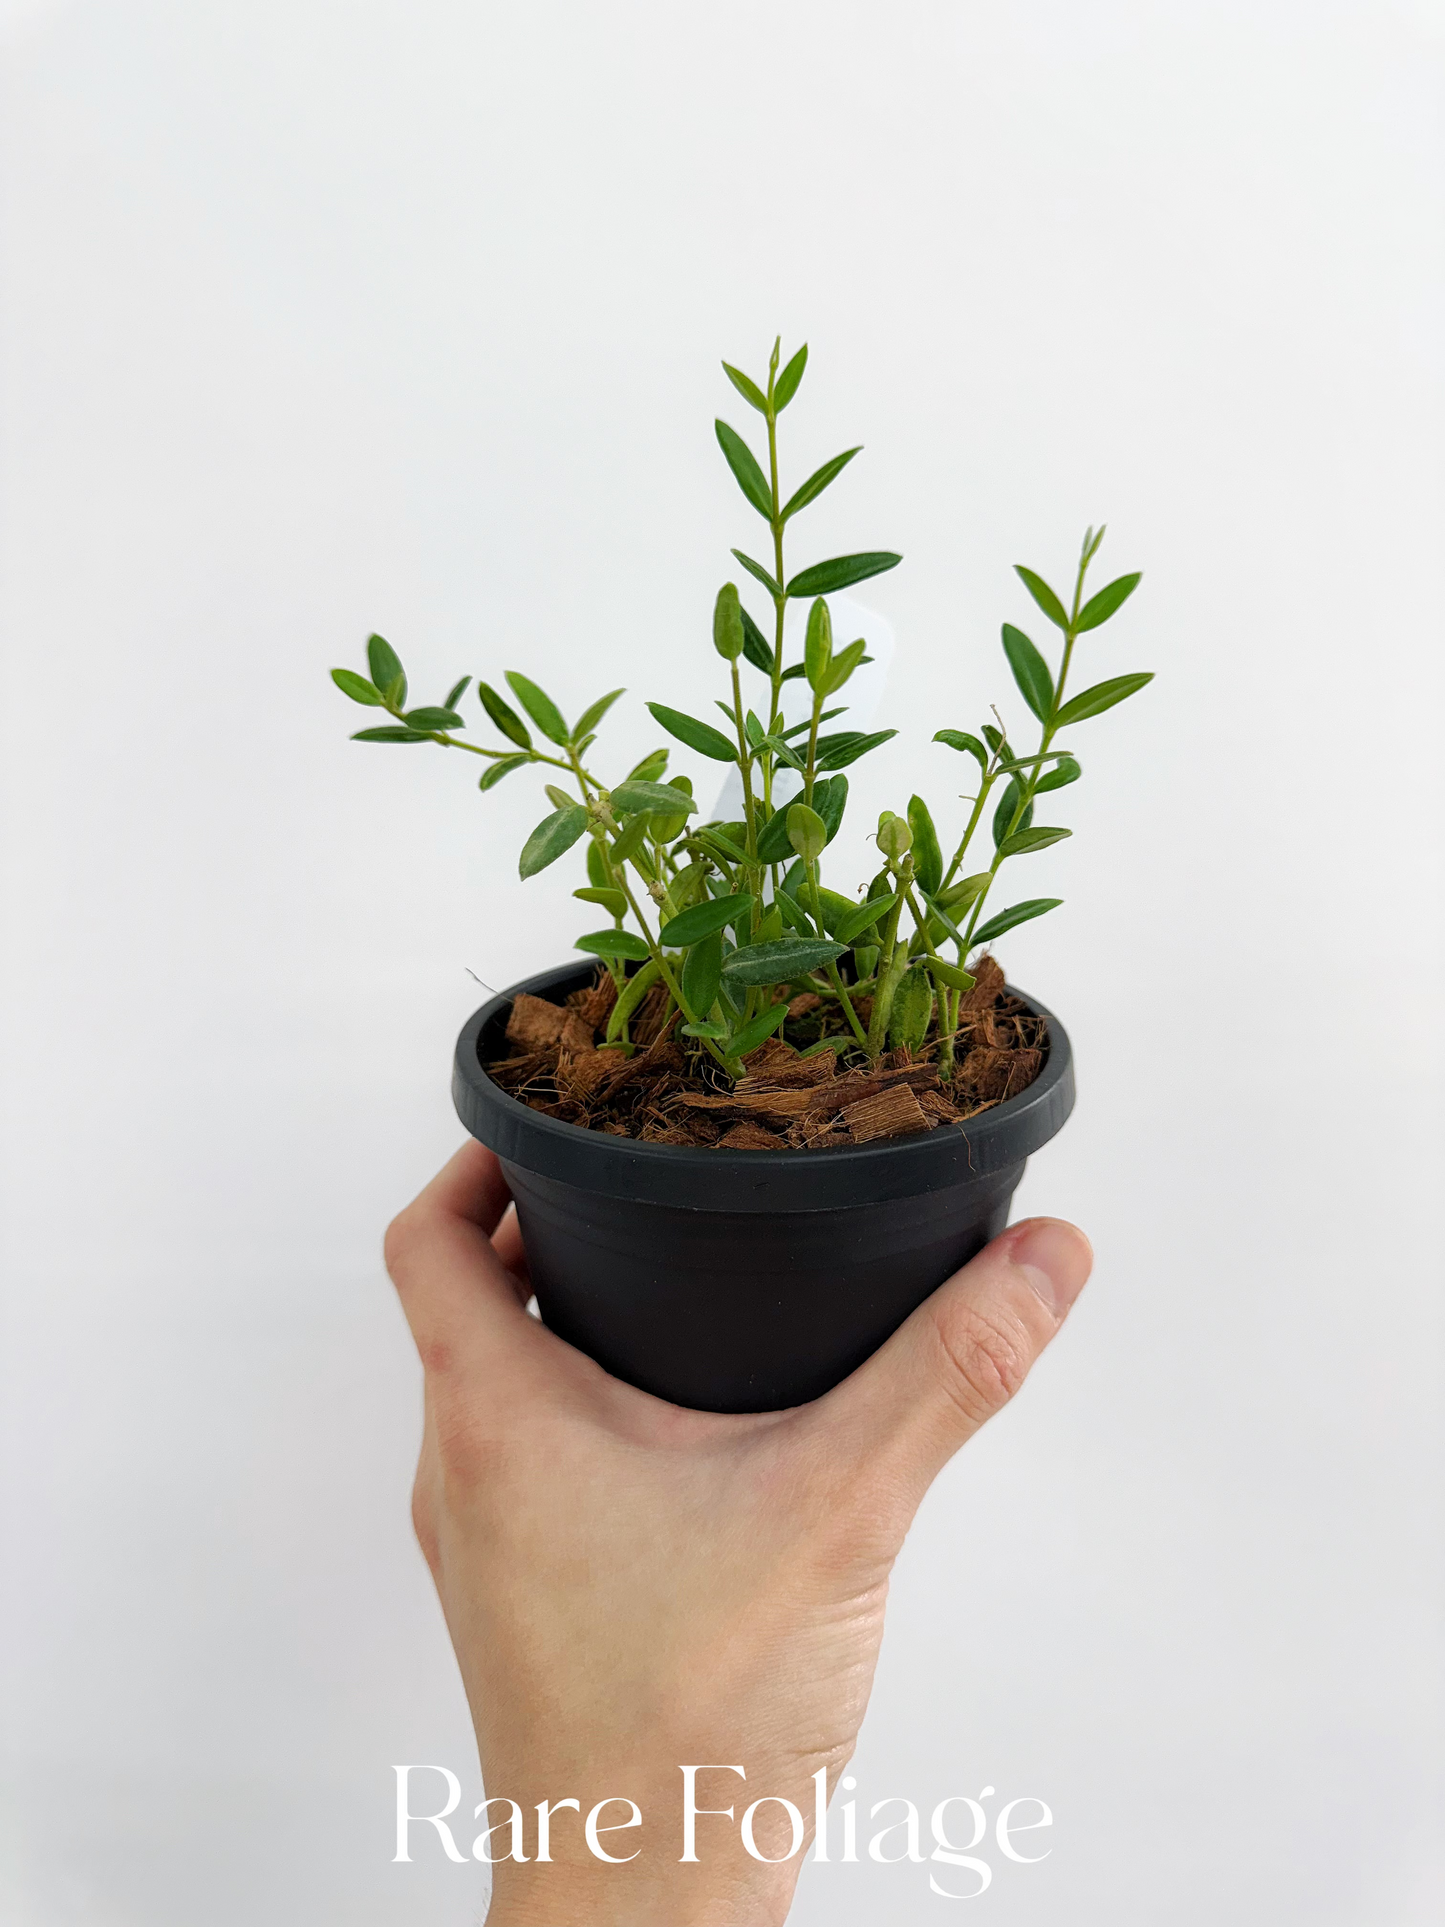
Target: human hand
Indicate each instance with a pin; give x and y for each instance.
(631, 1587)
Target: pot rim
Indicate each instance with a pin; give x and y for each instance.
(695, 1177)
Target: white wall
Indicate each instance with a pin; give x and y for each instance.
(326, 317)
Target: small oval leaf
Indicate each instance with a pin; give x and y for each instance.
(1015, 914)
(825, 578)
(614, 943)
(1025, 842)
(743, 463)
(504, 766)
(700, 736)
(692, 925)
(1031, 672)
(1043, 595)
(1103, 695)
(504, 716)
(1100, 607)
(552, 836)
(658, 798)
(779, 962)
(357, 687)
(539, 706)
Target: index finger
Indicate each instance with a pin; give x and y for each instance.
(452, 1285)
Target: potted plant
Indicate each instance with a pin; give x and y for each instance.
(757, 1122)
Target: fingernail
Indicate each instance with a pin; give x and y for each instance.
(1056, 1258)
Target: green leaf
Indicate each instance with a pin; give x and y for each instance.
(938, 915)
(792, 912)
(702, 737)
(784, 752)
(847, 748)
(817, 482)
(861, 917)
(630, 996)
(357, 687)
(504, 766)
(433, 719)
(768, 1020)
(743, 463)
(773, 843)
(614, 943)
(843, 665)
(830, 799)
(1025, 842)
(709, 1029)
(691, 926)
(927, 857)
(1003, 816)
(1015, 914)
(552, 836)
(786, 385)
(1043, 595)
(912, 1010)
(504, 716)
(756, 646)
(1031, 672)
(748, 389)
(650, 768)
(614, 902)
(769, 929)
(994, 738)
(825, 578)
(717, 843)
(760, 574)
(960, 739)
(807, 832)
(559, 798)
(1100, 607)
(951, 975)
(835, 1044)
(590, 718)
(1066, 771)
(818, 647)
(627, 846)
(1103, 695)
(539, 706)
(596, 866)
(391, 733)
(792, 673)
(661, 799)
(958, 896)
(386, 670)
(780, 962)
(456, 692)
(728, 634)
(702, 973)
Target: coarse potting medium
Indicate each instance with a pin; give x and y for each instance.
(744, 1281)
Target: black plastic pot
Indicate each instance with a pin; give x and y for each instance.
(744, 1281)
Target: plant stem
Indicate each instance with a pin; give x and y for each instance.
(1030, 784)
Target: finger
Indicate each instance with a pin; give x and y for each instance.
(963, 1354)
(507, 1243)
(452, 1284)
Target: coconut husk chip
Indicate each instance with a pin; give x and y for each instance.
(655, 1087)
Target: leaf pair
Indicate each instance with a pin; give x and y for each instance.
(1097, 609)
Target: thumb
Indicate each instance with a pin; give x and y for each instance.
(963, 1354)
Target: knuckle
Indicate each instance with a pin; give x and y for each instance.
(983, 1359)
(399, 1241)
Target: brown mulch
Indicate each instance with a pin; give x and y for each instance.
(661, 1090)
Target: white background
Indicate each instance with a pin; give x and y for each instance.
(322, 318)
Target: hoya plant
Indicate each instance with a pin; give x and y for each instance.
(733, 919)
